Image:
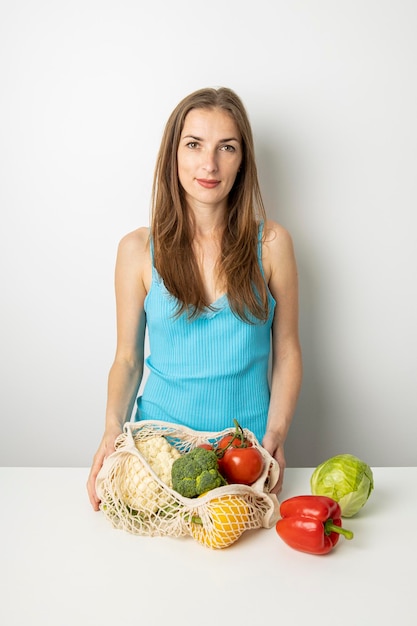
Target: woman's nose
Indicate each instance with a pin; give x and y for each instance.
(210, 162)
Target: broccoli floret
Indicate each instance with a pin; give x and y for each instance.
(196, 472)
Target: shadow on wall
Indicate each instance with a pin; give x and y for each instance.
(276, 179)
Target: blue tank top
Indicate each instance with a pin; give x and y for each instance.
(205, 372)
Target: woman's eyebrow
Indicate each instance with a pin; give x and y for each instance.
(220, 141)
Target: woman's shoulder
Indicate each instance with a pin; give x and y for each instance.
(277, 248)
(133, 257)
(135, 242)
(276, 236)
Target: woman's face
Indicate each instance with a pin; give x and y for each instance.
(209, 156)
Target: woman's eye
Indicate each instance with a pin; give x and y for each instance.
(228, 148)
(192, 144)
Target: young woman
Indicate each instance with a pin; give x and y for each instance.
(215, 284)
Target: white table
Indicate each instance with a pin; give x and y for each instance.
(62, 564)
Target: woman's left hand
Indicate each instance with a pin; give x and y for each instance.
(273, 445)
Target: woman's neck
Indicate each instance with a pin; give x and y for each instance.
(208, 223)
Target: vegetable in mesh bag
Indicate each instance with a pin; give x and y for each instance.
(137, 488)
(346, 479)
(196, 472)
(223, 520)
(138, 497)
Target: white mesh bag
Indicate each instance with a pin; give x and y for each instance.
(135, 488)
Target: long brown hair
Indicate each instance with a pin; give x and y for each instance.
(172, 228)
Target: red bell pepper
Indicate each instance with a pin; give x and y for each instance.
(311, 524)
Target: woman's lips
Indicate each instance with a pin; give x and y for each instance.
(208, 183)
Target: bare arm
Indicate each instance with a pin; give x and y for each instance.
(126, 371)
(286, 375)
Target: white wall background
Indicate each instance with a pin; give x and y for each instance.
(330, 86)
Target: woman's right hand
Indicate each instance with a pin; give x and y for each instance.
(105, 448)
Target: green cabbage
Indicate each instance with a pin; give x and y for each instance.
(346, 479)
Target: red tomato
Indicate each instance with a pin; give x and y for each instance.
(234, 441)
(241, 465)
(206, 446)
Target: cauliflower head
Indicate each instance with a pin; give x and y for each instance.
(137, 488)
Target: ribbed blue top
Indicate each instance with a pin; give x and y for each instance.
(205, 372)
